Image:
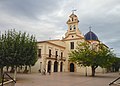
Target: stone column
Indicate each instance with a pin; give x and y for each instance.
(58, 66)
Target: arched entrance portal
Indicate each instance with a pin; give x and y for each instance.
(49, 66)
(61, 66)
(55, 66)
(71, 67)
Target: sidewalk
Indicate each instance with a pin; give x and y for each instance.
(65, 79)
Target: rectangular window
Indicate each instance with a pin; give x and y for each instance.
(61, 55)
(50, 53)
(56, 54)
(39, 53)
(71, 45)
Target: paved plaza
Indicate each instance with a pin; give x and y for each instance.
(64, 79)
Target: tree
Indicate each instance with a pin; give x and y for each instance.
(116, 65)
(17, 49)
(92, 55)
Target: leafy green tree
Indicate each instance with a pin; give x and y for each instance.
(92, 55)
(17, 49)
(116, 65)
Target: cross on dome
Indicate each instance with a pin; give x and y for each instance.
(90, 27)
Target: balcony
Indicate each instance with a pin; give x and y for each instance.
(53, 57)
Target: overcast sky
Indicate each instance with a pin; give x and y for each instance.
(46, 19)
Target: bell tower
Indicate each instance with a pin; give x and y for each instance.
(72, 22)
(73, 25)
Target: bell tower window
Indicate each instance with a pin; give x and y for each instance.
(74, 27)
(72, 18)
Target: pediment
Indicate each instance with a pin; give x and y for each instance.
(73, 36)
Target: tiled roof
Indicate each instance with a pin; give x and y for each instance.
(91, 36)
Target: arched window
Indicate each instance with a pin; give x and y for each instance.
(49, 66)
(74, 27)
(55, 66)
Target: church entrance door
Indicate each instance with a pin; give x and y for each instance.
(71, 67)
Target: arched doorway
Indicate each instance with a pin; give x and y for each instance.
(71, 67)
(61, 66)
(55, 66)
(49, 66)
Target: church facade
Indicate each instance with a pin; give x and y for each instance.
(53, 55)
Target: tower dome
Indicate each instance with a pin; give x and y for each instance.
(91, 36)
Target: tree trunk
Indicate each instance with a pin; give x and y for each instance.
(30, 68)
(18, 69)
(93, 71)
(26, 68)
(7, 67)
(15, 73)
(1, 72)
(25, 71)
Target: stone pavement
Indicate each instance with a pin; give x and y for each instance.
(64, 79)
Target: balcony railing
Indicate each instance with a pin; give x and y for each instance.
(54, 57)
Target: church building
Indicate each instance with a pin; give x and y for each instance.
(53, 55)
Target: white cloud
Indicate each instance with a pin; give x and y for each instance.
(47, 19)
